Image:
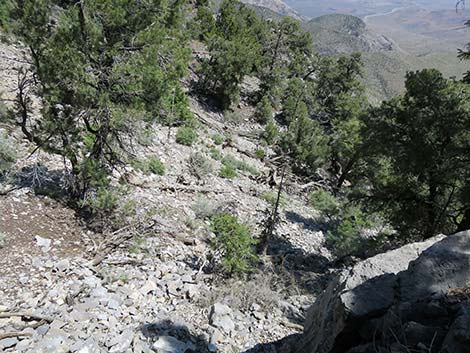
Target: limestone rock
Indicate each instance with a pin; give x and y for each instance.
(402, 291)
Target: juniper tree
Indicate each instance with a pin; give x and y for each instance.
(419, 161)
(235, 52)
(100, 67)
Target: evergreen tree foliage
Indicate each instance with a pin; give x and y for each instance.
(420, 156)
(287, 52)
(464, 54)
(101, 66)
(264, 111)
(235, 52)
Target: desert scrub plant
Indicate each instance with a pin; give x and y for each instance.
(103, 199)
(235, 243)
(355, 233)
(218, 139)
(233, 117)
(150, 165)
(2, 240)
(108, 207)
(205, 208)
(227, 172)
(260, 153)
(215, 154)
(271, 197)
(270, 132)
(186, 136)
(8, 154)
(242, 294)
(145, 137)
(231, 161)
(264, 110)
(199, 165)
(325, 202)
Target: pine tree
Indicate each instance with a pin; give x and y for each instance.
(235, 52)
(101, 67)
(419, 156)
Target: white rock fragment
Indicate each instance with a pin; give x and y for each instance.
(43, 243)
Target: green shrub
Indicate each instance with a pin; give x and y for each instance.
(227, 172)
(2, 240)
(102, 201)
(218, 139)
(235, 243)
(271, 197)
(231, 161)
(270, 132)
(233, 117)
(325, 202)
(199, 166)
(260, 153)
(150, 165)
(8, 154)
(356, 233)
(264, 111)
(145, 137)
(215, 154)
(205, 208)
(186, 136)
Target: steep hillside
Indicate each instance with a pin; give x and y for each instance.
(277, 6)
(388, 58)
(154, 289)
(344, 33)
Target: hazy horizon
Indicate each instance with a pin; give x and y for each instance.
(314, 8)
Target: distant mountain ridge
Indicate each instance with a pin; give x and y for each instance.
(277, 6)
(386, 58)
(334, 34)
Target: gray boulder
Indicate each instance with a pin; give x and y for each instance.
(396, 298)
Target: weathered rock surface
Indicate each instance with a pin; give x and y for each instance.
(404, 300)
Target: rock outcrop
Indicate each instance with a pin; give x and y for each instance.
(413, 299)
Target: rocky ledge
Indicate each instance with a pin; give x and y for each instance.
(413, 299)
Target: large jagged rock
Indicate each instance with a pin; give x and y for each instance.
(396, 301)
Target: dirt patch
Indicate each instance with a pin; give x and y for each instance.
(22, 219)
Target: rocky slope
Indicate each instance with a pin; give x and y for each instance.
(156, 291)
(413, 299)
(275, 5)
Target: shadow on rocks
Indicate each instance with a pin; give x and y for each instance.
(41, 180)
(285, 345)
(309, 271)
(168, 337)
(306, 223)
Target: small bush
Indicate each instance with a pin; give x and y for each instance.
(145, 137)
(233, 117)
(270, 132)
(261, 154)
(235, 242)
(215, 154)
(199, 166)
(325, 202)
(102, 201)
(186, 136)
(218, 139)
(227, 172)
(264, 111)
(271, 197)
(8, 154)
(356, 233)
(204, 208)
(2, 240)
(231, 161)
(150, 165)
